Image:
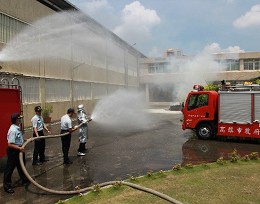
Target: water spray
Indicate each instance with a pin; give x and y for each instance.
(123, 109)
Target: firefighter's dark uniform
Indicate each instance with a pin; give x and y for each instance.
(39, 144)
(14, 136)
(66, 124)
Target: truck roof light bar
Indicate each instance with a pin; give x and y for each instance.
(198, 87)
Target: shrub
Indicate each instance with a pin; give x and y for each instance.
(189, 166)
(254, 156)
(47, 110)
(220, 161)
(234, 156)
(96, 188)
(245, 158)
(117, 184)
(150, 173)
(176, 167)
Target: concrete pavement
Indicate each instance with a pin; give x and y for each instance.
(116, 154)
(112, 154)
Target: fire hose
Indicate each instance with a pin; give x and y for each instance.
(78, 190)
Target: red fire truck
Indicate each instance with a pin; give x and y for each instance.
(11, 102)
(231, 112)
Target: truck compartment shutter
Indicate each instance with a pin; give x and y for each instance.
(257, 107)
(235, 107)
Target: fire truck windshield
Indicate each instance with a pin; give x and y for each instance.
(197, 100)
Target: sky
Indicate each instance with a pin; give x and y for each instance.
(194, 26)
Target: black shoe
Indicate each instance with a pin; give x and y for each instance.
(37, 163)
(9, 190)
(68, 162)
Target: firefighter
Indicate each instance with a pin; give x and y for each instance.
(66, 127)
(83, 130)
(15, 142)
(39, 144)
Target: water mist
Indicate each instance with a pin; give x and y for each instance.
(123, 109)
(61, 35)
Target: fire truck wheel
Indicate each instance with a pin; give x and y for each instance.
(204, 131)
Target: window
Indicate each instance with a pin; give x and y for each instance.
(115, 59)
(113, 88)
(132, 64)
(82, 90)
(248, 64)
(9, 27)
(57, 90)
(99, 90)
(257, 64)
(30, 90)
(251, 64)
(197, 100)
(151, 68)
(232, 65)
(158, 68)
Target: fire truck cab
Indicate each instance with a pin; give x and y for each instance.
(229, 113)
(11, 102)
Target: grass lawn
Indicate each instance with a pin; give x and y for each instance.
(220, 182)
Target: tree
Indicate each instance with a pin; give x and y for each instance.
(211, 87)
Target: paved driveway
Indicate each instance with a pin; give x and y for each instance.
(113, 154)
(117, 153)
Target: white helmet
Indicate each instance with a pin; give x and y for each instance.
(80, 107)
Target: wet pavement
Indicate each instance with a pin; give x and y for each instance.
(204, 151)
(116, 154)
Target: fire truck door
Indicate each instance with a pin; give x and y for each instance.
(197, 108)
(9, 103)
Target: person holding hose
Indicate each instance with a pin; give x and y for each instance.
(83, 130)
(39, 144)
(15, 141)
(66, 127)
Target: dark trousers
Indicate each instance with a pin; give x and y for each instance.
(39, 148)
(65, 140)
(12, 162)
(82, 147)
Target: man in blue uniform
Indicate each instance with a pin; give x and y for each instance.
(66, 127)
(15, 142)
(39, 144)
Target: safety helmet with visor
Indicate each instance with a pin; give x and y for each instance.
(80, 107)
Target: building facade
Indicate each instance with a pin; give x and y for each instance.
(82, 70)
(162, 78)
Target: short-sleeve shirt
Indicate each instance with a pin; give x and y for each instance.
(37, 122)
(15, 135)
(65, 122)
